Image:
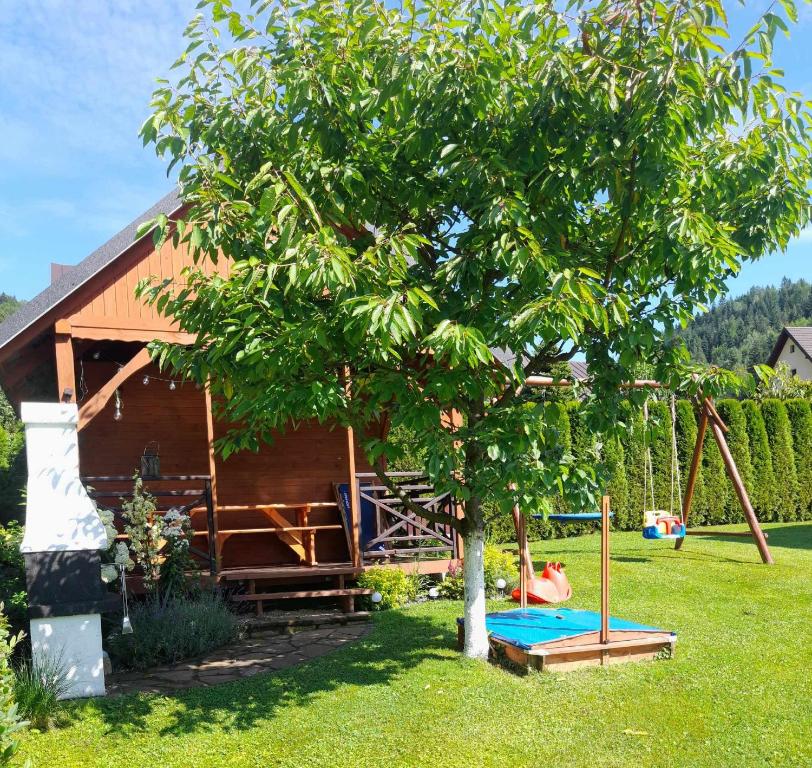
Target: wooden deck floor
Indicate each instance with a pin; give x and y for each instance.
(286, 572)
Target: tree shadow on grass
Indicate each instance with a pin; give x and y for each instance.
(797, 536)
(398, 642)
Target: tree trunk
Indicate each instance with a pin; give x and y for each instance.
(476, 635)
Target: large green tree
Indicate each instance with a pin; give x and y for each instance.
(403, 190)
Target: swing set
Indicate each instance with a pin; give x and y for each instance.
(659, 524)
(564, 638)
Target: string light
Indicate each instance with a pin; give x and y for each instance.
(118, 415)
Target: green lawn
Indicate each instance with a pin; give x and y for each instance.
(738, 693)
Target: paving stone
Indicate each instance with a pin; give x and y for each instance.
(245, 658)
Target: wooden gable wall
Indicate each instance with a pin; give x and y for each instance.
(108, 307)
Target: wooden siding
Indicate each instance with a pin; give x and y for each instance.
(300, 466)
(175, 419)
(110, 300)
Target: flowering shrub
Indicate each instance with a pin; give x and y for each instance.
(177, 532)
(158, 545)
(171, 627)
(499, 565)
(144, 528)
(451, 587)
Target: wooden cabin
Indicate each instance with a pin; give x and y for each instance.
(304, 514)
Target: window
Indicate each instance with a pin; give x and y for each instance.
(791, 347)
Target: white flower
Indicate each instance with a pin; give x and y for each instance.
(122, 556)
(109, 573)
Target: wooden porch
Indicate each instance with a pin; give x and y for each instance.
(295, 551)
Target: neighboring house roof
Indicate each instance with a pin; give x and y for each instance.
(75, 277)
(578, 369)
(801, 335)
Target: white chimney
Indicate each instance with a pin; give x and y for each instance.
(63, 536)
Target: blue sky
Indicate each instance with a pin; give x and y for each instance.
(75, 82)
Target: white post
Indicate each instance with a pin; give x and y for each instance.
(63, 536)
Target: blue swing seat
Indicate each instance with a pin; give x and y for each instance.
(652, 532)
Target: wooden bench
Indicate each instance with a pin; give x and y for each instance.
(346, 597)
(298, 534)
(278, 572)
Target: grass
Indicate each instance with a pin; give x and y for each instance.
(738, 693)
(38, 686)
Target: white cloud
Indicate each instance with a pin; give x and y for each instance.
(75, 76)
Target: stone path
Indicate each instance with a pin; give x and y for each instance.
(250, 656)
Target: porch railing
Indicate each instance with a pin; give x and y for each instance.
(188, 494)
(391, 530)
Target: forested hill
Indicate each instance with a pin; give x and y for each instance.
(741, 332)
(7, 305)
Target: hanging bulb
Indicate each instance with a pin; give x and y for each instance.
(117, 415)
(172, 386)
(126, 626)
(145, 380)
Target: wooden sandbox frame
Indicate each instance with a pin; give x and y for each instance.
(589, 648)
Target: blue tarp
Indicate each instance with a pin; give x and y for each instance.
(532, 626)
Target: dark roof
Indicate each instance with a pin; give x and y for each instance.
(73, 278)
(800, 334)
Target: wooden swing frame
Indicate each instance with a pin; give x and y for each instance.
(708, 416)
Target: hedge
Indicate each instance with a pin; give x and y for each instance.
(779, 436)
(12, 472)
(737, 440)
(632, 445)
(785, 453)
(800, 419)
(613, 458)
(762, 491)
